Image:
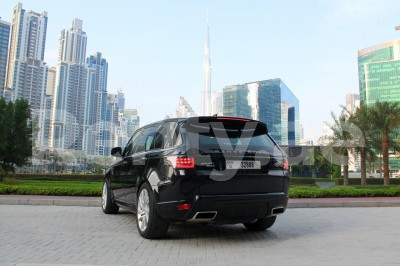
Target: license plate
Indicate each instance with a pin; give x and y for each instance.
(243, 165)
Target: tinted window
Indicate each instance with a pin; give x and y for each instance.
(130, 147)
(165, 136)
(145, 139)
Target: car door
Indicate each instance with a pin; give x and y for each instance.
(119, 183)
(137, 162)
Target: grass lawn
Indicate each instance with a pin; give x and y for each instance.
(83, 188)
(55, 188)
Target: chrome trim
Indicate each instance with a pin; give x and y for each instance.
(277, 208)
(194, 219)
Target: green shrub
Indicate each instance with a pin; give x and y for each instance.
(370, 181)
(306, 181)
(341, 191)
(60, 177)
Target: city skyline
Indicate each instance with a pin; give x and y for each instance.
(167, 58)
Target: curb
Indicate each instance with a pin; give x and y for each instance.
(296, 203)
(51, 202)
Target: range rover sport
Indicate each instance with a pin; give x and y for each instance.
(198, 170)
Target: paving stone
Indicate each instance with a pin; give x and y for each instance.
(64, 235)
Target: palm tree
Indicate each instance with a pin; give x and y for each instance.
(385, 116)
(339, 141)
(361, 118)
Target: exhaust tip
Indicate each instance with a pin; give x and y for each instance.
(204, 216)
(277, 210)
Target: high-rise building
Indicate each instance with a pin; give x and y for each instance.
(49, 111)
(184, 109)
(269, 101)
(95, 107)
(4, 37)
(379, 78)
(121, 101)
(352, 102)
(216, 103)
(133, 119)
(206, 93)
(71, 90)
(26, 72)
(379, 73)
(111, 123)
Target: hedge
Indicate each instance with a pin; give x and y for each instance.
(370, 181)
(59, 177)
(306, 181)
(341, 191)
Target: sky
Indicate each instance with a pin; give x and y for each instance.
(155, 48)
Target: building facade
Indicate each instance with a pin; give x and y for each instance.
(4, 37)
(206, 93)
(95, 107)
(184, 109)
(269, 101)
(379, 78)
(216, 103)
(133, 121)
(26, 76)
(71, 90)
(352, 102)
(379, 73)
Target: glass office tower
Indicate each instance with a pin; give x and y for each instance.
(379, 79)
(379, 73)
(269, 101)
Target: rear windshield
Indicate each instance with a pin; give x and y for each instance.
(231, 135)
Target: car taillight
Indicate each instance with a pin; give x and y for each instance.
(184, 206)
(185, 162)
(285, 164)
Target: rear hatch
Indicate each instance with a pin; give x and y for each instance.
(233, 156)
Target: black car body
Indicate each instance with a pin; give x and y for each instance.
(199, 169)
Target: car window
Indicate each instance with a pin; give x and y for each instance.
(165, 136)
(130, 147)
(144, 137)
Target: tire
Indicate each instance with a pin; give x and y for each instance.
(261, 224)
(150, 224)
(107, 203)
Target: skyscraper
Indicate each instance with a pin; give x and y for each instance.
(184, 109)
(269, 101)
(352, 102)
(26, 72)
(379, 73)
(49, 114)
(216, 103)
(4, 36)
(95, 107)
(206, 94)
(71, 90)
(133, 121)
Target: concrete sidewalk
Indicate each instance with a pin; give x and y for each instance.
(293, 203)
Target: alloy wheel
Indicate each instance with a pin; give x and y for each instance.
(143, 210)
(104, 196)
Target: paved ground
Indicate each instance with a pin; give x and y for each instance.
(84, 235)
(293, 203)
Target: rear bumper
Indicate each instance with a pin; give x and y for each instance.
(229, 208)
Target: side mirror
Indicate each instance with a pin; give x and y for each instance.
(116, 152)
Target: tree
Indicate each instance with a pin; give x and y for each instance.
(385, 116)
(361, 118)
(15, 134)
(339, 140)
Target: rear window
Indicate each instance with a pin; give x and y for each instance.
(230, 135)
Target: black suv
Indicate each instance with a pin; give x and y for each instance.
(199, 169)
